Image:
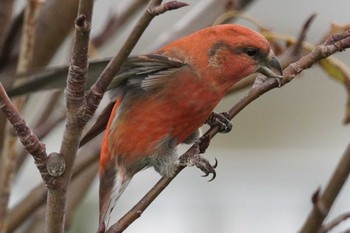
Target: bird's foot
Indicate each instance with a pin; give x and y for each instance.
(194, 158)
(220, 119)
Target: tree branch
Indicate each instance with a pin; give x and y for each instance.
(323, 203)
(28, 139)
(40, 131)
(75, 94)
(335, 222)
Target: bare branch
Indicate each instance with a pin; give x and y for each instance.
(335, 222)
(31, 144)
(161, 9)
(28, 139)
(335, 43)
(325, 201)
(40, 131)
(75, 93)
(297, 48)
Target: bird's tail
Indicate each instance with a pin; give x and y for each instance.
(112, 185)
(113, 180)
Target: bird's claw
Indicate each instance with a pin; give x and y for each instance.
(202, 143)
(206, 173)
(280, 82)
(220, 119)
(196, 159)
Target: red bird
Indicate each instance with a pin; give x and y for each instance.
(167, 95)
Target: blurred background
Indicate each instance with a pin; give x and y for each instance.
(282, 147)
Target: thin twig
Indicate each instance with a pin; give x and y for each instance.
(319, 53)
(324, 201)
(335, 222)
(28, 139)
(41, 132)
(43, 124)
(297, 48)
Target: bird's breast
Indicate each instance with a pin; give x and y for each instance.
(173, 113)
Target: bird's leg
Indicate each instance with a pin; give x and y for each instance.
(220, 119)
(194, 157)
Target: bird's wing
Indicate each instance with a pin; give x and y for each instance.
(147, 72)
(55, 78)
(142, 74)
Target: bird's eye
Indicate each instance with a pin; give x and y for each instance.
(251, 52)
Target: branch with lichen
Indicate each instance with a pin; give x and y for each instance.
(336, 43)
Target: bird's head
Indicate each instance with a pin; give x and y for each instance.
(230, 52)
(237, 48)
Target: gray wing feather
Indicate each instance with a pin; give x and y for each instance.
(143, 73)
(147, 72)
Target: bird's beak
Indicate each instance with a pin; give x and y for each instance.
(270, 67)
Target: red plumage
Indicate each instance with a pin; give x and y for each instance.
(168, 95)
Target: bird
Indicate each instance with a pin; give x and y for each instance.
(165, 96)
